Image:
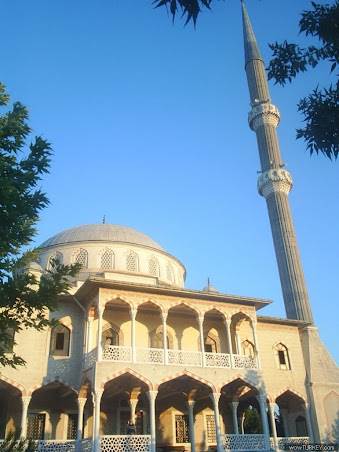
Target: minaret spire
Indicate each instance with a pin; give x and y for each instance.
(274, 182)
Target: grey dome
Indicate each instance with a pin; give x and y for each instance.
(101, 233)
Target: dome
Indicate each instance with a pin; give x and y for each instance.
(101, 233)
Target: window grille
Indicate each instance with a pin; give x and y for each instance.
(36, 426)
(181, 429)
(72, 426)
(60, 341)
(153, 266)
(81, 257)
(107, 260)
(211, 431)
(58, 257)
(132, 262)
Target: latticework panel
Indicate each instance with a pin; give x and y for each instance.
(217, 360)
(117, 353)
(81, 257)
(107, 260)
(132, 262)
(248, 443)
(55, 445)
(244, 362)
(153, 267)
(86, 445)
(126, 443)
(184, 358)
(150, 355)
(285, 441)
(90, 358)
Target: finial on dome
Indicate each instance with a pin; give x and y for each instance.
(209, 287)
(104, 219)
(250, 43)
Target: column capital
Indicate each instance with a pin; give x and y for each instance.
(152, 394)
(81, 401)
(234, 404)
(134, 311)
(261, 398)
(25, 400)
(201, 318)
(100, 310)
(215, 396)
(164, 315)
(190, 403)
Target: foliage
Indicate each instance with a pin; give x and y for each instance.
(24, 301)
(320, 109)
(252, 422)
(189, 8)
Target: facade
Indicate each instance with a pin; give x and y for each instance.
(139, 363)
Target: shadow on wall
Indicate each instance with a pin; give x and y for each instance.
(332, 435)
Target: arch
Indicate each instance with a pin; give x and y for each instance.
(184, 304)
(153, 266)
(186, 373)
(60, 342)
(150, 301)
(80, 256)
(287, 390)
(13, 383)
(246, 381)
(282, 357)
(120, 300)
(212, 341)
(49, 383)
(56, 256)
(215, 309)
(132, 261)
(106, 259)
(127, 371)
(248, 348)
(111, 334)
(156, 337)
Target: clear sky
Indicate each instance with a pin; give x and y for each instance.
(148, 123)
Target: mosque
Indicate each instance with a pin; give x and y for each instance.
(139, 363)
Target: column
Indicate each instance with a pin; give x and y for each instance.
(25, 403)
(88, 334)
(96, 420)
(234, 405)
(99, 332)
(271, 409)
(308, 422)
(152, 396)
(255, 340)
(133, 404)
(164, 332)
(237, 340)
(133, 316)
(81, 404)
(262, 403)
(229, 339)
(201, 334)
(215, 399)
(190, 404)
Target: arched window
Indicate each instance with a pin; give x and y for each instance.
(153, 266)
(281, 357)
(300, 426)
(81, 257)
(132, 264)
(107, 259)
(110, 336)
(247, 348)
(169, 273)
(156, 338)
(60, 341)
(8, 342)
(55, 257)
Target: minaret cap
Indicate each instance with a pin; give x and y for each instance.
(250, 43)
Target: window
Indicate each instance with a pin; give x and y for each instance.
(281, 357)
(247, 349)
(110, 337)
(36, 425)
(153, 267)
(55, 257)
(60, 341)
(72, 426)
(181, 429)
(81, 257)
(132, 262)
(107, 259)
(211, 345)
(210, 428)
(156, 338)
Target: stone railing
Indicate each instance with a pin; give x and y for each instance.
(184, 358)
(248, 443)
(217, 360)
(56, 445)
(117, 353)
(86, 445)
(283, 441)
(244, 362)
(125, 443)
(176, 357)
(90, 358)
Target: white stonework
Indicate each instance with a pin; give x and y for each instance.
(276, 180)
(262, 114)
(163, 356)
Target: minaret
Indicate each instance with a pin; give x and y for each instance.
(274, 182)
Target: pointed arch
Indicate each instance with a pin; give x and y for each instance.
(186, 373)
(127, 371)
(13, 383)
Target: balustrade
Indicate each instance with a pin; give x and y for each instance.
(217, 360)
(150, 355)
(250, 443)
(283, 441)
(184, 358)
(117, 353)
(125, 443)
(244, 362)
(56, 445)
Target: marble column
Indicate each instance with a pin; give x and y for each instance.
(81, 404)
(215, 396)
(164, 332)
(25, 403)
(151, 397)
(255, 340)
(201, 336)
(308, 422)
(99, 332)
(271, 410)
(96, 420)
(262, 403)
(229, 338)
(190, 405)
(234, 406)
(133, 405)
(133, 316)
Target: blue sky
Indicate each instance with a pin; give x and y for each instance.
(148, 123)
